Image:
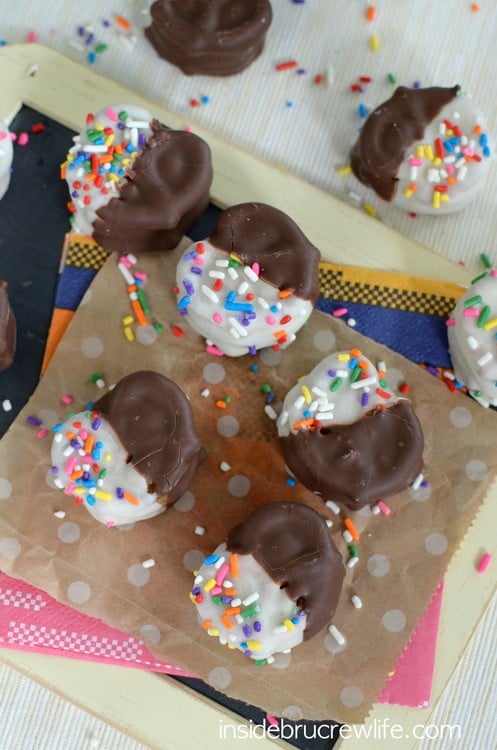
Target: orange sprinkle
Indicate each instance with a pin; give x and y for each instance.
(284, 293)
(303, 424)
(226, 622)
(381, 374)
(370, 13)
(349, 524)
(70, 435)
(132, 500)
(221, 404)
(413, 187)
(279, 334)
(234, 566)
(355, 353)
(139, 314)
(76, 475)
(207, 624)
(232, 611)
(475, 7)
(230, 592)
(63, 170)
(451, 180)
(477, 129)
(90, 440)
(363, 364)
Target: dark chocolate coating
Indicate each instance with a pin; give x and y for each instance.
(165, 192)
(7, 329)
(293, 544)
(153, 420)
(258, 233)
(209, 37)
(389, 131)
(359, 463)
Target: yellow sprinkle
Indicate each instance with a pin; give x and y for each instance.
(408, 193)
(113, 176)
(289, 624)
(254, 645)
(370, 210)
(437, 161)
(420, 152)
(306, 394)
(490, 324)
(444, 197)
(449, 132)
(192, 598)
(436, 199)
(429, 152)
(344, 357)
(374, 42)
(98, 126)
(102, 495)
(79, 491)
(128, 332)
(128, 320)
(231, 645)
(213, 631)
(344, 170)
(108, 457)
(210, 584)
(109, 139)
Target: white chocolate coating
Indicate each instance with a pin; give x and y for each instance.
(460, 170)
(472, 342)
(129, 130)
(268, 621)
(231, 306)
(6, 156)
(108, 472)
(357, 388)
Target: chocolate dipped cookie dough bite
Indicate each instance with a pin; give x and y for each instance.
(346, 435)
(209, 37)
(252, 284)
(275, 582)
(136, 185)
(132, 454)
(424, 150)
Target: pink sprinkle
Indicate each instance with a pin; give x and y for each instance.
(256, 268)
(222, 573)
(188, 129)
(214, 350)
(22, 139)
(484, 563)
(3, 135)
(340, 312)
(66, 399)
(493, 272)
(471, 312)
(42, 433)
(68, 490)
(109, 524)
(216, 590)
(141, 275)
(272, 720)
(83, 434)
(13, 136)
(270, 320)
(385, 509)
(70, 464)
(111, 114)
(415, 161)
(450, 322)
(198, 260)
(125, 261)
(449, 168)
(217, 318)
(31, 37)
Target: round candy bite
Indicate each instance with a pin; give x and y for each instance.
(252, 284)
(209, 37)
(275, 583)
(6, 156)
(137, 186)
(346, 435)
(7, 329)
(425, 150)
(96, 165)
(471, 330)
(133, 454)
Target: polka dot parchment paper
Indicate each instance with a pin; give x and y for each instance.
(100, 571)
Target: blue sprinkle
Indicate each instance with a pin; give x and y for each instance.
(483, 141)
(90, 500)
(362, 110)
(486, 151)
(307, 414)
(205, 100)
(91, 57)
(211, 559)
(291, 482)
(254, 367)
(184, 302)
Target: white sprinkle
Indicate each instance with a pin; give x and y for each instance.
(462, 173)
(299, 402)
(217, 274)
(92, 490)
(319, 392)
(485, 359)
(333, 507)
(236, 326)
(444, 174)
(472, 342)
(133, 136)
(347, 536)
(100, 383)
(322, 415)
(448, 375)
(271, 413)
(222, 641)
(235, 602)
(450, 159)
(413, 174)
(356, 601)
(342, 373)
(199, 530)
(224, 466)
(286, 651)
(355, 198)
(219, 563)
(227, 584)
(243, 287)
(239, 619)
(329, 523)
(58, 438)
(279, 630)
(95, 149)
(417, 482)
(269, 659)
(232, 273)
(149, 563)
(442, 128)
(433, 175)
(60, 514)
(222, 263)
(363, 383)
(352, 322)
(339, 638)
(352, 561)
(59, 483)
(284, 417)
(7, 404)
(137, 124)
(206, 392)
(250, 599)
(209, 293)
(128, 277)
(68, 451)
(263, 303)
(198, 579)
(460, 162)
(250, 273)
(132, 259)
(375, 510)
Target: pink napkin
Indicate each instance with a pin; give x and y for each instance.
(31, 620)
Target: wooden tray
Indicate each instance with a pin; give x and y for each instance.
(155, 710)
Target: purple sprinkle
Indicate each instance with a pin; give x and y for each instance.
(142, 141)
(189, 288)
(425, 483)
(183, 311)
(332, 373)
(248, 652)
(74, 194)
(121, 125)
(75, 443)
(196, 590)
(245, 322)
(96, 423)
(226, 599)
(257, 626)
(416, 85)
(86, 476)
(247, 631)
(54, 469)
(364, 399)
(432, 370)
(119, 493)
(197, 270)
(252, 350)
(106, 23)
(34, 421)
(81, 31)
(90, 38)
(190, 256)
(270, 398)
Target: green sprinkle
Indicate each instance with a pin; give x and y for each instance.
(251, 611)
(123, 115)
(227, 399)
(478, 394)
(158, 327)
(485, 261)
(102, 474)
(356, 374)
(233, 263)
(353, 550)
(142, 299)
(100, 48)
(265, 388)
(483, 316)
(481, 276)
(217, 600)
(383, 383)
(391, 78)
(336, 384)
(96, 376)
(260, 662)
(477, 300)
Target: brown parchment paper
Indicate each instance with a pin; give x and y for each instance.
(402, 557)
